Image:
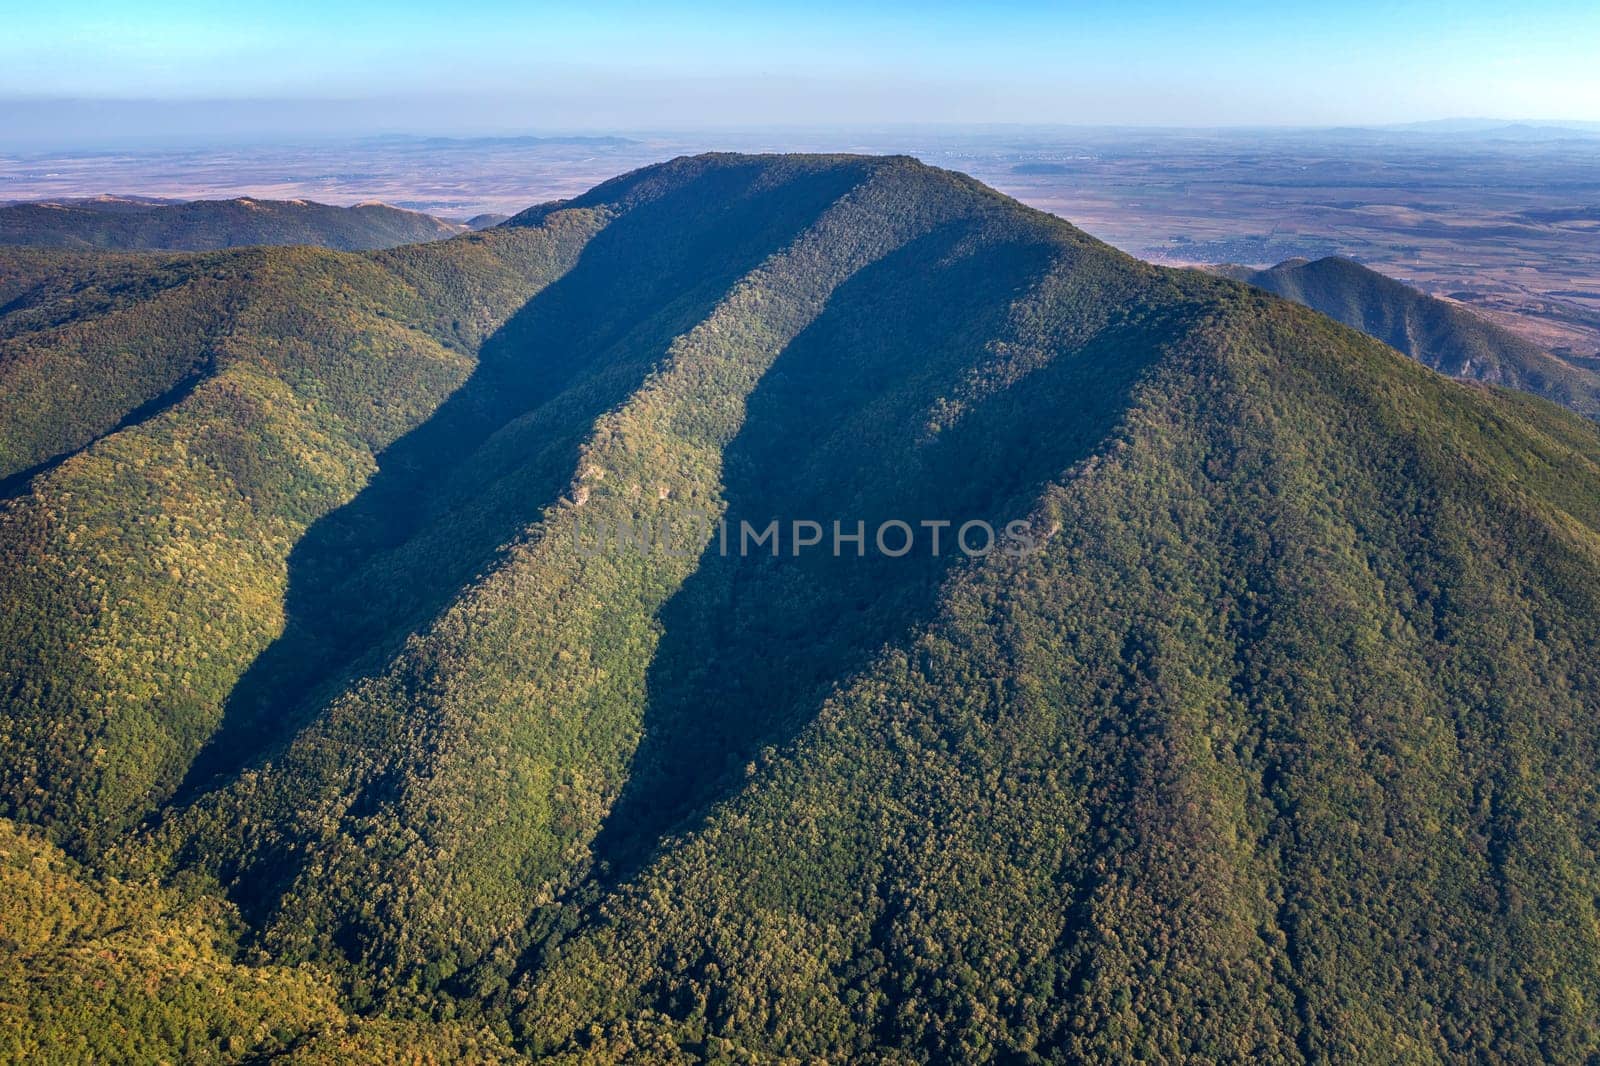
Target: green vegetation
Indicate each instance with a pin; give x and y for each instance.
(144, 572)
(1434, 332)
(116, 224)
(1279, 749)
(94, 969)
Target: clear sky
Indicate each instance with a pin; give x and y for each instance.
(478, 65)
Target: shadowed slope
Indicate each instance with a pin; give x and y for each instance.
(932, 387)
(1223, 773)
(448, 495)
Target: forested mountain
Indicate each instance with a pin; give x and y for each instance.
(1276, 743)
(125, 224)
(1435, 332)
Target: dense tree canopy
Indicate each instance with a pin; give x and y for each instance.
(1280, 746)
(123, 224)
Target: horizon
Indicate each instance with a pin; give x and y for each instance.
(102, 73)
(65, 126)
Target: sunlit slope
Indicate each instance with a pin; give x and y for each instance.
(145, 568)
(96, 969)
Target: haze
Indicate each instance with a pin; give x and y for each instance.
(103, 72)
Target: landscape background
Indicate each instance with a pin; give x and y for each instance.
(1503, 217)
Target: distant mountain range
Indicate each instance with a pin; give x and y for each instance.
(1522, 128)
(118, 223)
(354, 711)
(601, 141)
(1437, 333)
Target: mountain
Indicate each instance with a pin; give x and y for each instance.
(131, 224)
(1437, 333)
(1500, 128)
(1265, 731)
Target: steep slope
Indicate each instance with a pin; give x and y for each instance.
(116, 224)
(1434, 332)
(541, 671)
(1280, 750)
(144, 568)
(1271, 739)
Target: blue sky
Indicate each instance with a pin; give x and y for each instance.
(620, 65)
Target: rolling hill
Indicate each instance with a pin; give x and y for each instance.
(1435, 332)
(129, 224)
(1266, 731)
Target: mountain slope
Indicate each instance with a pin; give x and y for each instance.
(1272, 740)
(145, 566)
(560, 719)
(117, 224)
(1237, 768)
(1436, 333)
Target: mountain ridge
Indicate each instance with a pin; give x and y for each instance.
(129, 224)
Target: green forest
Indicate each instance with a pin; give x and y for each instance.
(322, 743)
(124, 224)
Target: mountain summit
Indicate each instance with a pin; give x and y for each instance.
(1277, 742)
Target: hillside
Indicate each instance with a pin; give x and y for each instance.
(68, 937)
(124, 224)
(1435, 332)
(1272, 741)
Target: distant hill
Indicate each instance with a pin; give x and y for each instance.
(1445, 336)
(117, 223)
(325, 739)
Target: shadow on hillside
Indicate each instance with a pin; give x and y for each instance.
(753, 646)
(19, 483)
(498, 452)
